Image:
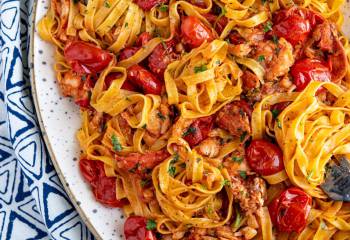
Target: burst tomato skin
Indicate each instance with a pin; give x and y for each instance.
(295, 24)
(194, 32)
(135, 229)
(306, 70)
(145, 80)
(245, 107)
(264, 157)
(289, 211)
(143, 38)
(202, 126)
(86, 58)
(103, 186)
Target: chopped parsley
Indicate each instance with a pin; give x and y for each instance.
(107, 4)
(238, 219)
(323, 226)
(243, 174)
(116, 144)
(172, 170)
(161, 116)
(268, 26)
(263, 2)
(126, 24)
(144, 182)
(83, 78)
(144, 126)
(279, 125)
(201, 68)
(261, 58)
(209, 210)
(163, 8)
(128, 99)
(275, 39)
(151, 224)
(237, 159)
(243, 136)
(75, 1)
(134, 168)
(189, 131)
(226, 182)
(275, 113)
(218, 62)
(176, 158)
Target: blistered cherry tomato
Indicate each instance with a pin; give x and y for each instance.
(264, 157)
(103, 186)
(289, 211)
(235, 38)
(135, 229)
(88, 169)
(127, 53)
(145, 80)
(147, 5)
(86, 58)
(280, 106)
(143, 38)
(218, 23)
(199, 130)
(305, 70)
(194, 32)
(161, 57)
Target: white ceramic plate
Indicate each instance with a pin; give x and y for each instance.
(59, 120)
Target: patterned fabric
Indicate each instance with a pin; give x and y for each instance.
(33, 204)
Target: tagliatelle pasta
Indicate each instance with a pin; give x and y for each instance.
(210, 119)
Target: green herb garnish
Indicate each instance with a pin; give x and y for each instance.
(238, 219)
(163, 8)
(116, 144)
(199, 69)
(226, 182)
(279, 125)
(107, 4)
(189, 131)
(268, 26)
(151, 224)
(161, 116)
(261, 58)
(126, 24)
(243, 136)
(243, 174)
(275, 113)
(144, 182)
(172, 170)
(237, 159)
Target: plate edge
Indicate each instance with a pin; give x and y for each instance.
(70, 194)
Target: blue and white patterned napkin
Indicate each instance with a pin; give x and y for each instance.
(33, 204)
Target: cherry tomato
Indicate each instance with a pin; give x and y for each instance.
(194, 32)
(126, 85)
(200, 129)
(88, 169)
(160, 58)
(147, 5)
(289, 211)
(144, 79)
(264, 157)
(135, 229)
(127, 53)
(83, 103)
(86, 58)
(103, 186)
(143, 38)
(235, 38)
(306, 70)
(218, 23)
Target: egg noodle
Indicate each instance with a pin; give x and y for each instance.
(191, 189)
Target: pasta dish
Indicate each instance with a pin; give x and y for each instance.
(210, 119)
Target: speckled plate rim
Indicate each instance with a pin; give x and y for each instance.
(66, 187)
